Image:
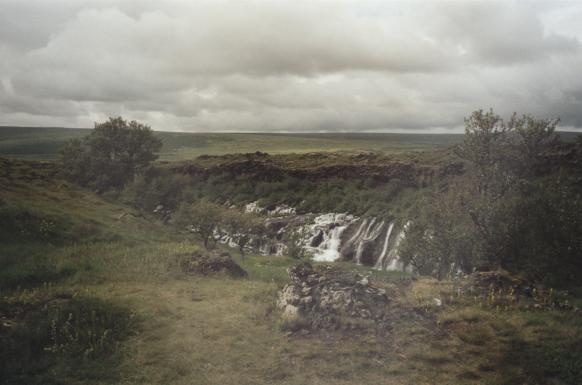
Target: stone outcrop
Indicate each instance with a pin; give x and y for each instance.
(329, 298)
(211, 263)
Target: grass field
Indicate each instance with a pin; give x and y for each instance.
(92, 294)
(43, 143)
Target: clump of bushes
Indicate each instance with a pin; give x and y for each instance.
(158, 186)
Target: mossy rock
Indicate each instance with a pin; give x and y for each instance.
(212, 263)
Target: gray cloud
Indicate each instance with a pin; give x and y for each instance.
(510, 33)
(292, 66)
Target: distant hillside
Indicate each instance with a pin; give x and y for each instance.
(36, 142)
(44, 142)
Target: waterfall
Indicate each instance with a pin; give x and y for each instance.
(359, 232)
(359, 252)
(380, 261)
(372, 232)
(330, 227)
(394, 263)
(376, 232)
(329, 249)
(360, 246)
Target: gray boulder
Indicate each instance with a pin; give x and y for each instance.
(329, 298)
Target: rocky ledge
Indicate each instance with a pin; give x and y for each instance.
(329, 298)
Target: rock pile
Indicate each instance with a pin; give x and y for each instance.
(329, 298)
(212, 263)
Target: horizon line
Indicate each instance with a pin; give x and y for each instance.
(411, 131)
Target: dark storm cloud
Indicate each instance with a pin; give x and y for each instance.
(282, 65)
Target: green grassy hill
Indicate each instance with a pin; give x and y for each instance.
(91, 293)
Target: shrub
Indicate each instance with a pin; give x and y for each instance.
(158, 187)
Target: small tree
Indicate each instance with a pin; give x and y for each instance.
(503, 157)
(532, 138)
(243, 228)
(203, 217)
(504, 212)
(294, 240)
(483, 147)
(111, 155)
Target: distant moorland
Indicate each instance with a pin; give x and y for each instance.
(44, 142)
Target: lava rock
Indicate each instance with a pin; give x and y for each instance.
(330, 298)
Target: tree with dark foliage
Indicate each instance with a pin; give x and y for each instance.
(507, 212)
(111, 155)
(242, 228)
(202, 217)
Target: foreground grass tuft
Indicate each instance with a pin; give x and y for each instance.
(54, 338)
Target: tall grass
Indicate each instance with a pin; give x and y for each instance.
(54, 338)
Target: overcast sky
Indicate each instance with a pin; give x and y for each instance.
(288, 65)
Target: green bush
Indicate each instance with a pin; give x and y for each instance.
(158, 187)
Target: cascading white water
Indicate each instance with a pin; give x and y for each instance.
(380, 261)
(395, 264)
(321, 236)
(329, 249)
(360, 247)
(330, 227)
(359, 232)
(372, 232)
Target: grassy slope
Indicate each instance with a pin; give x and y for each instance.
(197, 330)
